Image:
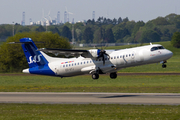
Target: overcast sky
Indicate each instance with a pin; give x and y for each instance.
(11, 10)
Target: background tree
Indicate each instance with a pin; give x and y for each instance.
(137, 26)
(121, 33)
(88, 35)
(109, 36)
(149, 36)
(3, 31)
(114, 22)
(54, 29)
(126, 19)
(99, 35)
(78, 34)
(67, 33)
(171, 18)
(12, 58)
(40, 29)
(160, 21)
(120, 20)
(21, 29)
(175, 41)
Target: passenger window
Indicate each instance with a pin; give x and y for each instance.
(87, 61)
(129, 55)
(78, 63)
(126, 55)
(72, 64)
(84, 62)
(81, 63)
(66, 65)
(114, 57)
(75, 64)
(111, 58)
(121, 56)
(63, 65)
(117, 57)
(69, 64)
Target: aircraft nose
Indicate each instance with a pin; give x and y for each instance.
(169, 54)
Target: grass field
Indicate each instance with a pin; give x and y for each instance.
(88, 112)
(135, 84)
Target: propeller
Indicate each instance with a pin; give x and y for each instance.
(102, 54)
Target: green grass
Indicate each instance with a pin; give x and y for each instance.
(135, 84)
(1, 42)
(88, 112)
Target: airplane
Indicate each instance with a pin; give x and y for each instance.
(93, 61)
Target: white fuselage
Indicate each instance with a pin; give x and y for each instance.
(118, 59)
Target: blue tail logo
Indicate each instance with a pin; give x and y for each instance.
(36, 59)
(33, 57)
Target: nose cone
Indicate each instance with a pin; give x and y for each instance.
(169, 54)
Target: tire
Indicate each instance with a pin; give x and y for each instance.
(95, 76)
(113, 75)
(164, 66)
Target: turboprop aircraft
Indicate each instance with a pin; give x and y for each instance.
(94, 61)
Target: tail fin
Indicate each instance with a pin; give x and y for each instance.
(33, 57)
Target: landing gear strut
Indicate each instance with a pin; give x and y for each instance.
(163, 65)
(113, 75)
(95, 76)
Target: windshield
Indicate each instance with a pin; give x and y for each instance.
(157, 48)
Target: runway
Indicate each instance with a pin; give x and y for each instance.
(90, 98)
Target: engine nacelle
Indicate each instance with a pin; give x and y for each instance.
(94, 52)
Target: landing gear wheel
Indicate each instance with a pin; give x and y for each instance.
(95, 76)
(113, 75)
(164, 66)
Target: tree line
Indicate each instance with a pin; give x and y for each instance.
(105, 30)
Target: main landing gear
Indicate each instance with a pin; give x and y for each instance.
(113, 75)
(95, 76)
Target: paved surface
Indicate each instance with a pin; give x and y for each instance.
(93, 98)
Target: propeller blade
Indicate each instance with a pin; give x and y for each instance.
(103, 60)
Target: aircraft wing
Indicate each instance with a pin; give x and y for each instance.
(92, 53)
(66, 52)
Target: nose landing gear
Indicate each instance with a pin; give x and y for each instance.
(163, 64)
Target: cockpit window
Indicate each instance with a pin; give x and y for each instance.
(157, 48)
(161, 47)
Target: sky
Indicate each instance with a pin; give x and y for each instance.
(137, 10)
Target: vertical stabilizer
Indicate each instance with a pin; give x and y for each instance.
(38, 64)
(34, 57)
